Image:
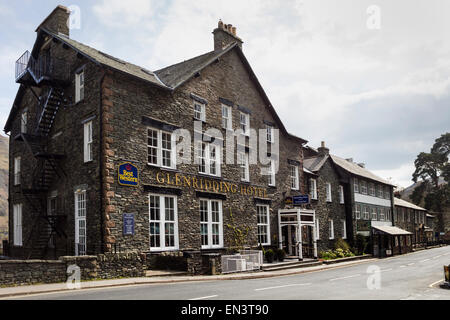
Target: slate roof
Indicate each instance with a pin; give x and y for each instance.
(110, 61)
(355, 169)
(406, 204)
(314, 164)
(168, 78)
(177, 74)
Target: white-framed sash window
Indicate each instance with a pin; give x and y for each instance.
(366, 213)
(80, 223)
(199, 111)
(227, 117)
(161, 147)
(344, 229)
(209, 159)
(17, 171)
(244, 166)
(356, 185)
(211, 224)
(17, 223)
(272, 176)
(328, 189)
(313, 189)
(163, 216)
(88, 142)
(374, 213)
(363, 187)
(79, 86)
(245, 123)
(341, 195)
(331, 229)
(263, 215)
(295, 185)
(358, 211)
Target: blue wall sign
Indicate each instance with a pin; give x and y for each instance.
(299, 200)
(128, 175)
(128, 224)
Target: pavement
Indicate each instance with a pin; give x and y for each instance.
(412, 276)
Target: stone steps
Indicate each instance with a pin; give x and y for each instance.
(291, 265)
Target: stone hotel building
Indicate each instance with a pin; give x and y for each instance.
(93, 163)
(95, 168)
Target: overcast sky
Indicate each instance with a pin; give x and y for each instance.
(380, 96)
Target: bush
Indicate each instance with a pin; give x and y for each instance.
(270, 254)
(280, 254)
(341, 244)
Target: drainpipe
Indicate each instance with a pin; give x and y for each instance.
(101, 165)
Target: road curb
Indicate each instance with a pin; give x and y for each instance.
(261, 275)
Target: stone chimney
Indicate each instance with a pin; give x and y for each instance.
(224, 35)
(57, 21)
(323, 150)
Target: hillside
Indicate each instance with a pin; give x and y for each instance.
(4, 145)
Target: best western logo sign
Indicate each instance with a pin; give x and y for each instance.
(128, 175)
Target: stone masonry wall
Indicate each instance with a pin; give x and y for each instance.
(107, 266)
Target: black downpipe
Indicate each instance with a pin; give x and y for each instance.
(102, 231)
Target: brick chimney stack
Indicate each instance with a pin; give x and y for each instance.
(57, 21)
(323, 150)
(224, 35)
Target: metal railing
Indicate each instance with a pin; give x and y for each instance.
(43, 66)
(22, 64)
(245, 261)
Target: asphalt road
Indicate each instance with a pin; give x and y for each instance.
(411, 277)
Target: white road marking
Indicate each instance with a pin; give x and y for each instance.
(356, 275)
(403, 266)
(425, 260)
(386, 270)
(411, 264)
(286, 286)
(437, 257)
(434, 283)
(203, 298)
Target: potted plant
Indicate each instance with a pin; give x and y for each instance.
(269, 255)
(280, 255)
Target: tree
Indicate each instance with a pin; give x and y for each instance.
(430, 168)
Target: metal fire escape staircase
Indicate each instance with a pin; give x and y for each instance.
(42, 73)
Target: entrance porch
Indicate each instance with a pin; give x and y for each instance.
(297, 233)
